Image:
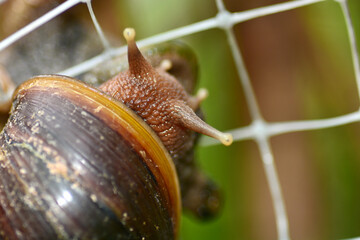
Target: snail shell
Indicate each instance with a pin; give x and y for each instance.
(107, 178)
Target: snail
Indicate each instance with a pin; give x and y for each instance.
(79, 162)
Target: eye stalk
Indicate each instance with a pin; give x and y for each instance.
(129, 34)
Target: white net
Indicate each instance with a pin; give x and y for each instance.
(259, 130)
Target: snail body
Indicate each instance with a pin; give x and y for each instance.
(78, 162)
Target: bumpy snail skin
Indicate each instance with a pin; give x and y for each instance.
(161, 101)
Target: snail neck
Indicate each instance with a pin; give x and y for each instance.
(160, 100)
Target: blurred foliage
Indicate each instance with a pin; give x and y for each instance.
(336, 151)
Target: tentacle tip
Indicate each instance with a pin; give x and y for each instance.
(129, 34)
(202, 94)
(226, 139)
(166, 64)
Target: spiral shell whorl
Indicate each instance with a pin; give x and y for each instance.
(90, 181)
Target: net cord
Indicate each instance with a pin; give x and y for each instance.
(37, 23)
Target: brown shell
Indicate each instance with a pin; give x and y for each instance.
(74, 163)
